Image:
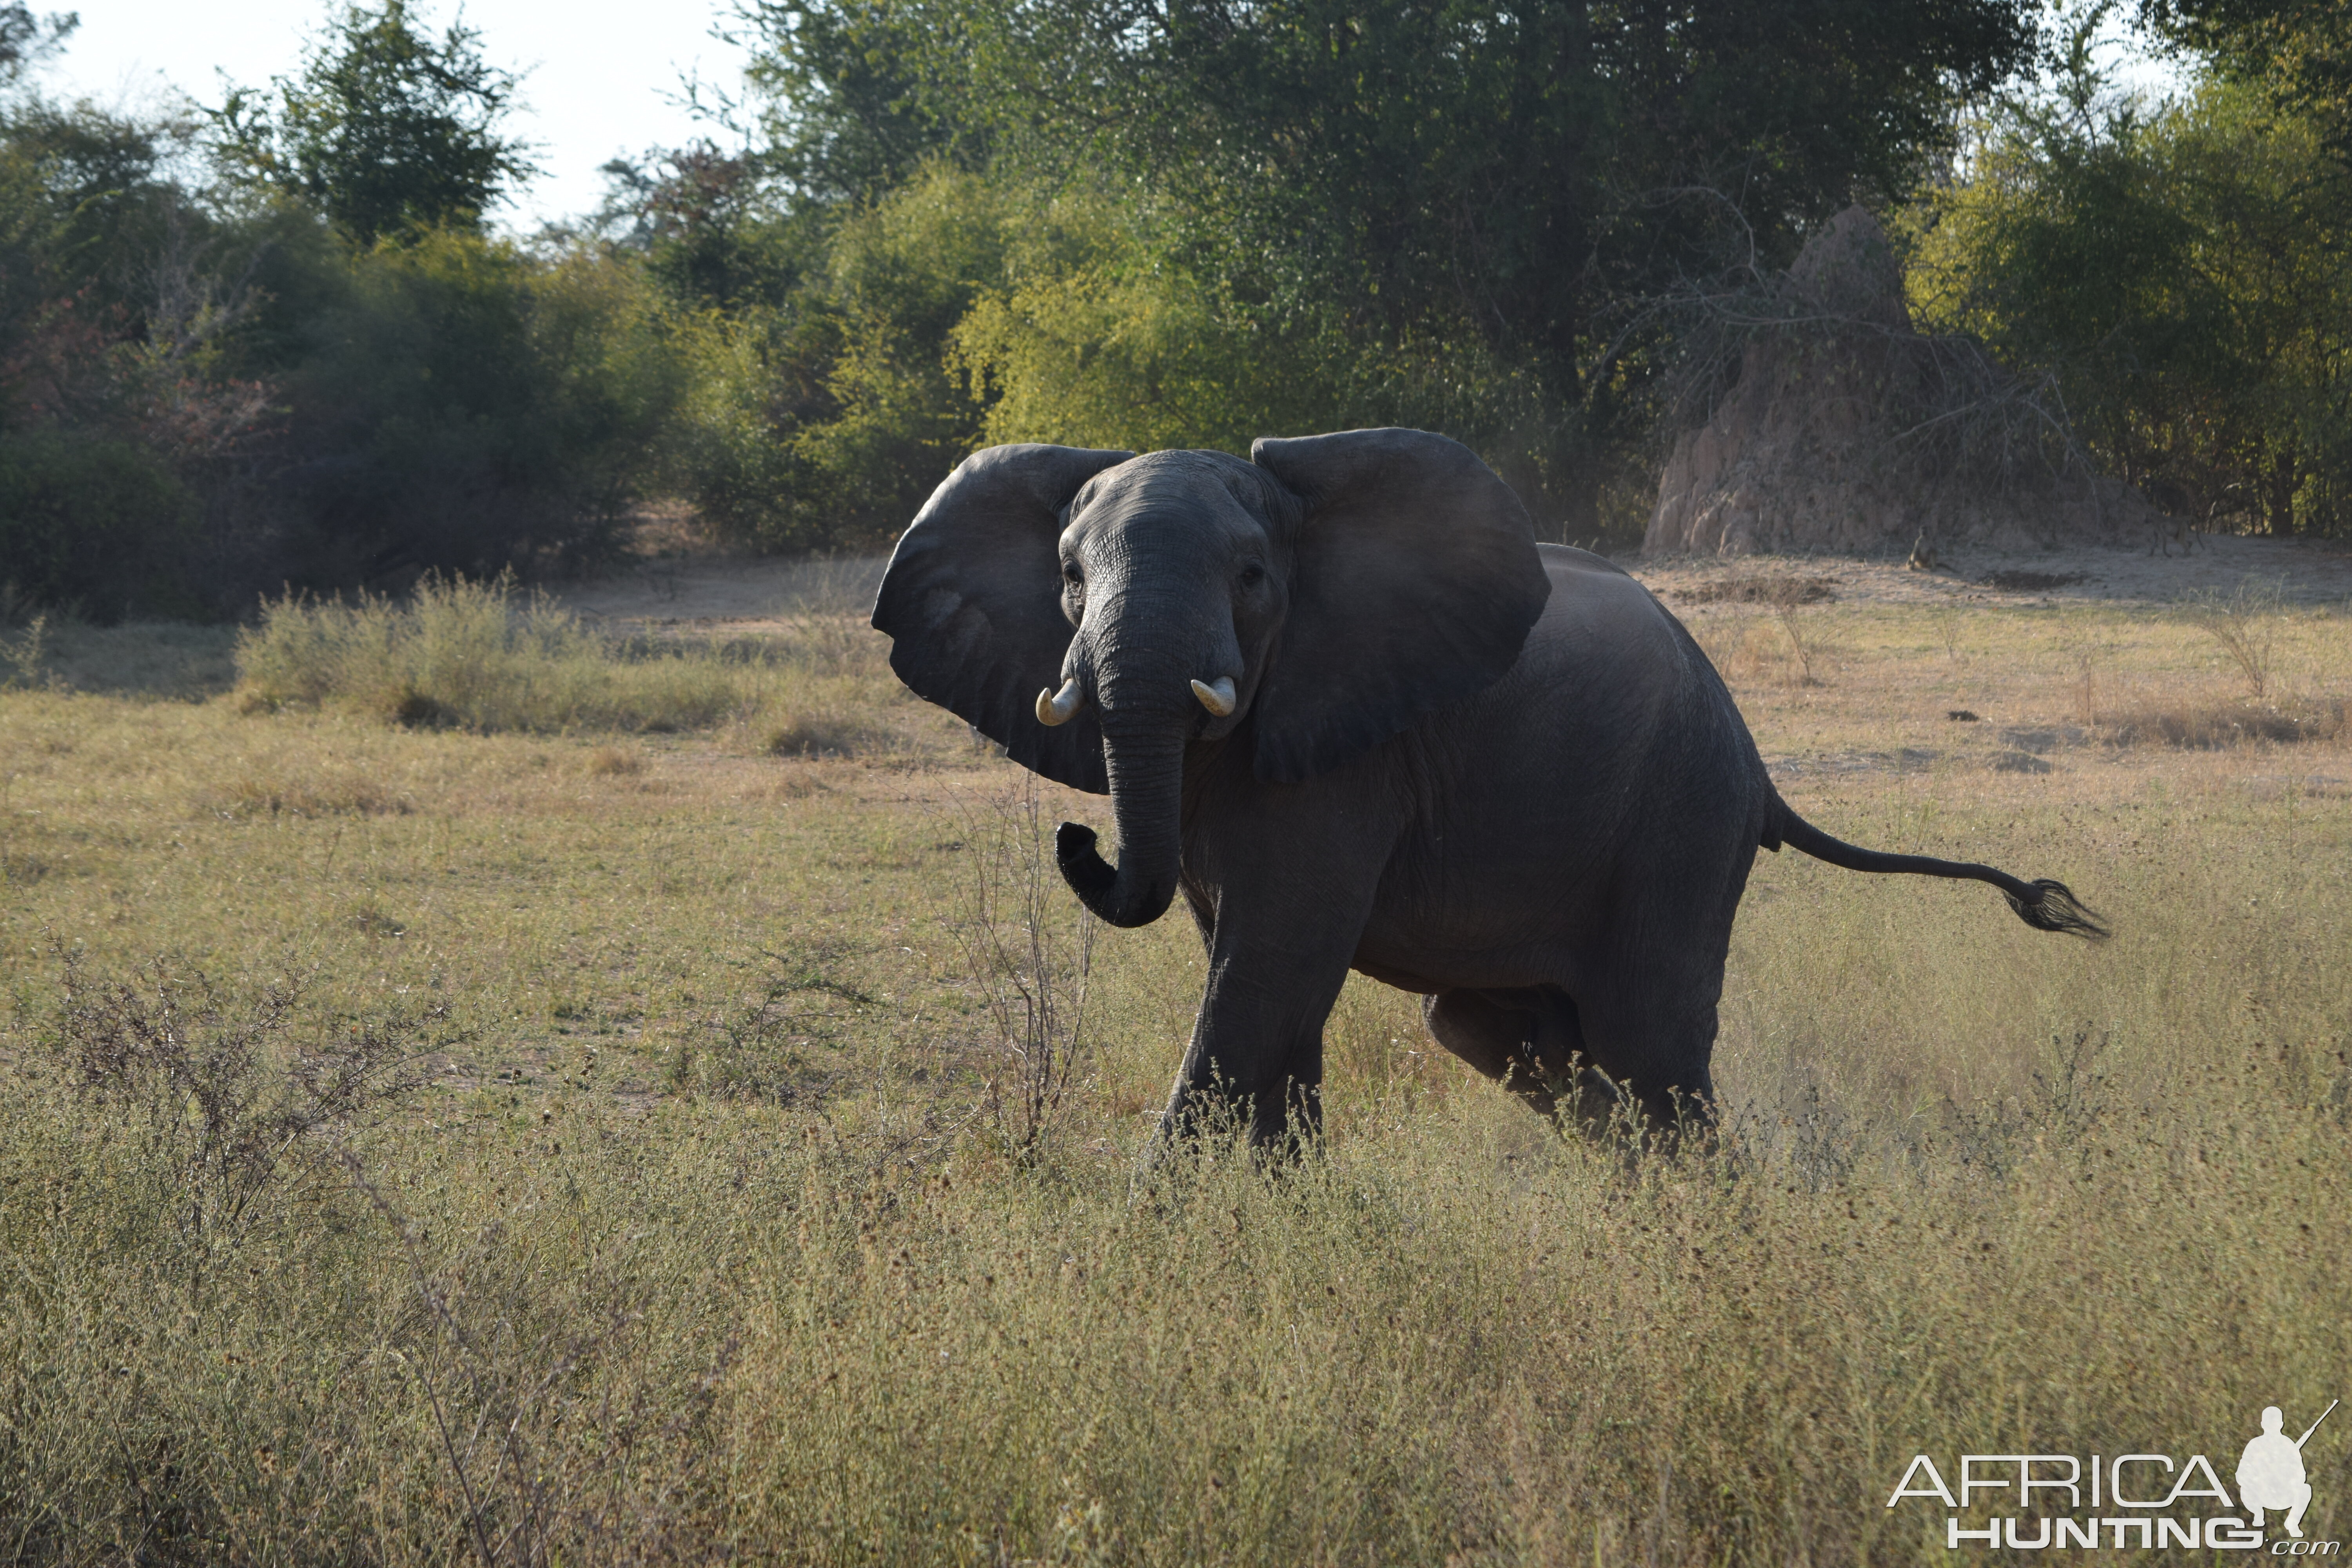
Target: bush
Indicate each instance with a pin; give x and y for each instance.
(478, 656)
(822, 421)
(466, 405)
(91, 519)
(750, 381)
(223, 1103)
(1118, 352)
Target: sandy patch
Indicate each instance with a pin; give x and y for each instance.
(2307, 572)
(715, 593)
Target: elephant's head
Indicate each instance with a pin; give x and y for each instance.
(1094, 612)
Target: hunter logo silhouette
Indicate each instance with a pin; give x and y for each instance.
(2270, 1472)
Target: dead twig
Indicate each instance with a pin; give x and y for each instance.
(1030, 953)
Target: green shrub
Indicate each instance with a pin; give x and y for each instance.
(462, 405)
(1127, 355)
(91, 519)
(823, 423)
(2175, 270)
(750, 381)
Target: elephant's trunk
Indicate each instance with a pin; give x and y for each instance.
(1147, 788)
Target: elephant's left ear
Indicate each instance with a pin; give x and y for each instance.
(1414, 582)
(972, 603)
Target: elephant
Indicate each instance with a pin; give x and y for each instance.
(1346, 705)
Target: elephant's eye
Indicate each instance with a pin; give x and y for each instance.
(1253, 575)
(1070, 573)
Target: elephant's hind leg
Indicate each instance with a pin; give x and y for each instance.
(1494, 1040)
(1530, 1042)
(1655, 1037)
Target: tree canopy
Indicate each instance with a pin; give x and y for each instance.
(2183, 269)
(2297, 53)
(25, 38)
(385, 130)
(1465, 192)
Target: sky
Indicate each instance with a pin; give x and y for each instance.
(600, 76)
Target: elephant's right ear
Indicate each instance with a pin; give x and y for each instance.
(972, 604)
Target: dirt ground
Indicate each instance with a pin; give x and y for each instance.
(2304, 571)
(708, 592)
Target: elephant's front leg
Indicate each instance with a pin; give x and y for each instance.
(1277, 956)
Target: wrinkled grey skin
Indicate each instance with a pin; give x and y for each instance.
(1498, 774)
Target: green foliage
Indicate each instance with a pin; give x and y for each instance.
(710, 229)
(952, 224)
(2183, 270)
(385, 130)
(824, 422)
(2297, 53)
(93, 239)
(85, 192)
(27, 39)
(462, 404)
(223, 394)
(93, 521)
(1472, 191)
(1104, 357)
(753, 379)
(856, 97)
(904, 272)
(1096, 340)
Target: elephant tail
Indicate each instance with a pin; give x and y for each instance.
(2043, 904)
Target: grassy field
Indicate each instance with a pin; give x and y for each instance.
(574, 1133)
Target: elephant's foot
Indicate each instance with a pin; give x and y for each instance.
(1278, 1124)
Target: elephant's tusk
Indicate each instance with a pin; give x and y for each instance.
(1059, 707)
(1217, 697)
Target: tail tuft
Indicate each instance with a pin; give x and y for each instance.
(2045, 905)
(2054, 906)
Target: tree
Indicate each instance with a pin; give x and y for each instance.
(2298, 53)
(1468, 194)
(710, 226)
(856, 96)
(385, 130)
(2183, 270)
(25, 40)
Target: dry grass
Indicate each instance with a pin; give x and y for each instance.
(23, 655)
(143, 660)
(702, 1243)
(1762, 588)
(2150, 678)
(2245, 623)
(327, 794)
(812, 729)
(1784, 647)
(2210, 725)
(485, 658)
(615, 762)
(478, 657)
